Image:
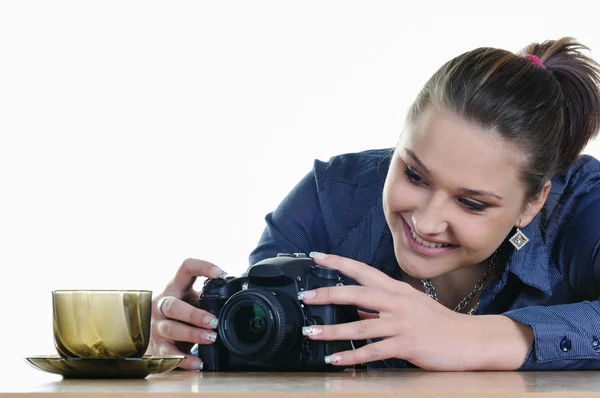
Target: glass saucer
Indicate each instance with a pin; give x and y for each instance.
(93, 368)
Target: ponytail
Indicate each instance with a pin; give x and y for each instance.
(579, 79)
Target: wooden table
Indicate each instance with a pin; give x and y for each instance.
(21, 378)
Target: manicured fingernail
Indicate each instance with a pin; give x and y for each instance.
(222, 274)
(311, 330)
(211, 321)
(212, 336)
(306, 295)
(335, 358)
(316, 255)
(199, 365)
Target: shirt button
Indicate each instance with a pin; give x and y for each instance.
(565, 344)
(596, 344)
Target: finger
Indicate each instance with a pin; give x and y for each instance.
(191, 296)
(177, 331)
(364, 274)
(359, 296)
(191, 362)
(369, 353)
(360, 330)
(179, 310)
(192, 268)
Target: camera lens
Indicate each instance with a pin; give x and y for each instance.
(260, 324)
(249, 323)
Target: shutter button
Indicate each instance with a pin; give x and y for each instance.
(596, 344)
(565, 344)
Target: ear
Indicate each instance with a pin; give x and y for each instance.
(534, 207)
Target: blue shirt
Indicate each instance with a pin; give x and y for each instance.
(552, 284)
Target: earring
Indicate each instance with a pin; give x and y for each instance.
(519, 239)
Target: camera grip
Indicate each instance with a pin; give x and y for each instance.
(212, 355)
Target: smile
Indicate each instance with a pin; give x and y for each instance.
(427, 243)
(425, 247)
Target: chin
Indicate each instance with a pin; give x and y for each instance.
(421, 270)
(420, 267)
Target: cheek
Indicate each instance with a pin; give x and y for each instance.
(399, 195)
(479, 235)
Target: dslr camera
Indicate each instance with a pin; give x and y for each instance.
(261, 318)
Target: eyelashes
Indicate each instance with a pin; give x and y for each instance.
(417, 180)
(411, 176)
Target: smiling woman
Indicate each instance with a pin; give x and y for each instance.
(484, 207)
(438, 191)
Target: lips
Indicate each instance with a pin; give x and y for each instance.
(425, 242)
(422, 247)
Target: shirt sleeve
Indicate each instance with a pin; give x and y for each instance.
(297, 224)
(567, 336)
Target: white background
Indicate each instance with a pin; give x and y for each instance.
(135, 134)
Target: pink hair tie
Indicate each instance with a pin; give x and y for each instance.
(535, 60)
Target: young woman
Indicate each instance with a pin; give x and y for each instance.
(471, 245)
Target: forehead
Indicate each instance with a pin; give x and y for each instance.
(462, 153)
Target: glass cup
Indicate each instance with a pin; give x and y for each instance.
(101, 323)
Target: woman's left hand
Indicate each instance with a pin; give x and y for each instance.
(412, 325)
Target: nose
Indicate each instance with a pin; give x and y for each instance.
(429, 218)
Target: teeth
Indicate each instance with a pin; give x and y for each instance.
(426, 243)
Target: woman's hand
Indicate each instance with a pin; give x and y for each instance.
(179, 324)
(413, 326)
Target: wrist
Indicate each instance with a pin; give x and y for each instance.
(500, 343)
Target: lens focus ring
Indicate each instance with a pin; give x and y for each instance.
(258, 324)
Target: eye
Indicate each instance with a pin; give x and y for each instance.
(472, 205)
(416, 179)
(413, 177)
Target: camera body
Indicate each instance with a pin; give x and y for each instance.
(261, 318)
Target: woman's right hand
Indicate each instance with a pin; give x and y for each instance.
(181, 323)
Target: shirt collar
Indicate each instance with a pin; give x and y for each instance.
(530, 264)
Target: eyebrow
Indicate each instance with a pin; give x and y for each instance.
(467, 191)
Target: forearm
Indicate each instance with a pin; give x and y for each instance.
(498, 343)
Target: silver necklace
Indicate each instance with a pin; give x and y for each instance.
(430, 289)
